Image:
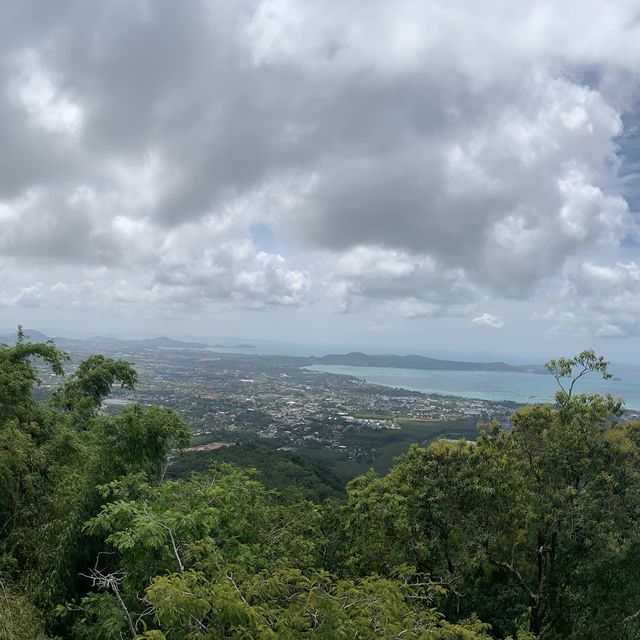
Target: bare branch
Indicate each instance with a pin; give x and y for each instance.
(111, 582)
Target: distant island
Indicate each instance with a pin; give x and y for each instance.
(359, 359)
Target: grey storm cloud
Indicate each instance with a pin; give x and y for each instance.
(476, 146)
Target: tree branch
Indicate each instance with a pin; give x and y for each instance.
(518, 576)
(110, 581)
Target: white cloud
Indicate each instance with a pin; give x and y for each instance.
(412, 285)
(602, 300)
(31, 296)
(610, 331)
(488, 320)
(609, 289)
(430, 155)
(46, 104)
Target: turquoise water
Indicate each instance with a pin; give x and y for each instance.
(494, 385)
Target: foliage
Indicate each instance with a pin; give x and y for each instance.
(222, 556)
(19, 619)
(51, 460)
(93, 380)
(278, 470)
(574, 368)
(18, 375)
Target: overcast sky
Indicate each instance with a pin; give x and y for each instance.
(418, 175)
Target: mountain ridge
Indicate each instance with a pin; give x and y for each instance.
(160, 342)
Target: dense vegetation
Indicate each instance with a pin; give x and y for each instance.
(531, 532)
(278, 470)
(315, 467)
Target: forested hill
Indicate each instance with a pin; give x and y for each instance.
(529, 533)
(359, 359)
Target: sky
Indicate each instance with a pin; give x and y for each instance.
(415, 176)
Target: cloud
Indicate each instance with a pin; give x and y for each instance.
(24, 297)
(616, 286)
(428, 154)
(412, 285)
(488, 320)
(605, 298)
(506, 198)
(595, 299)
(609, 330)
(44, 102)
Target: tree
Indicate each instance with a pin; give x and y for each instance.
(53, 455)
(540, 520)
(18, 375)
(570, 370)
(93, 381)
(220, 556)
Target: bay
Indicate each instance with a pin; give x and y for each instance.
(526, 388)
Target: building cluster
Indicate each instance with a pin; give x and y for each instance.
(237, 397)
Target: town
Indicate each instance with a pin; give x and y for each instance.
(339, 421)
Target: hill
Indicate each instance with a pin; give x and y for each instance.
(359, 359)
(31, 335)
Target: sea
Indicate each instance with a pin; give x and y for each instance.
(524, 388)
